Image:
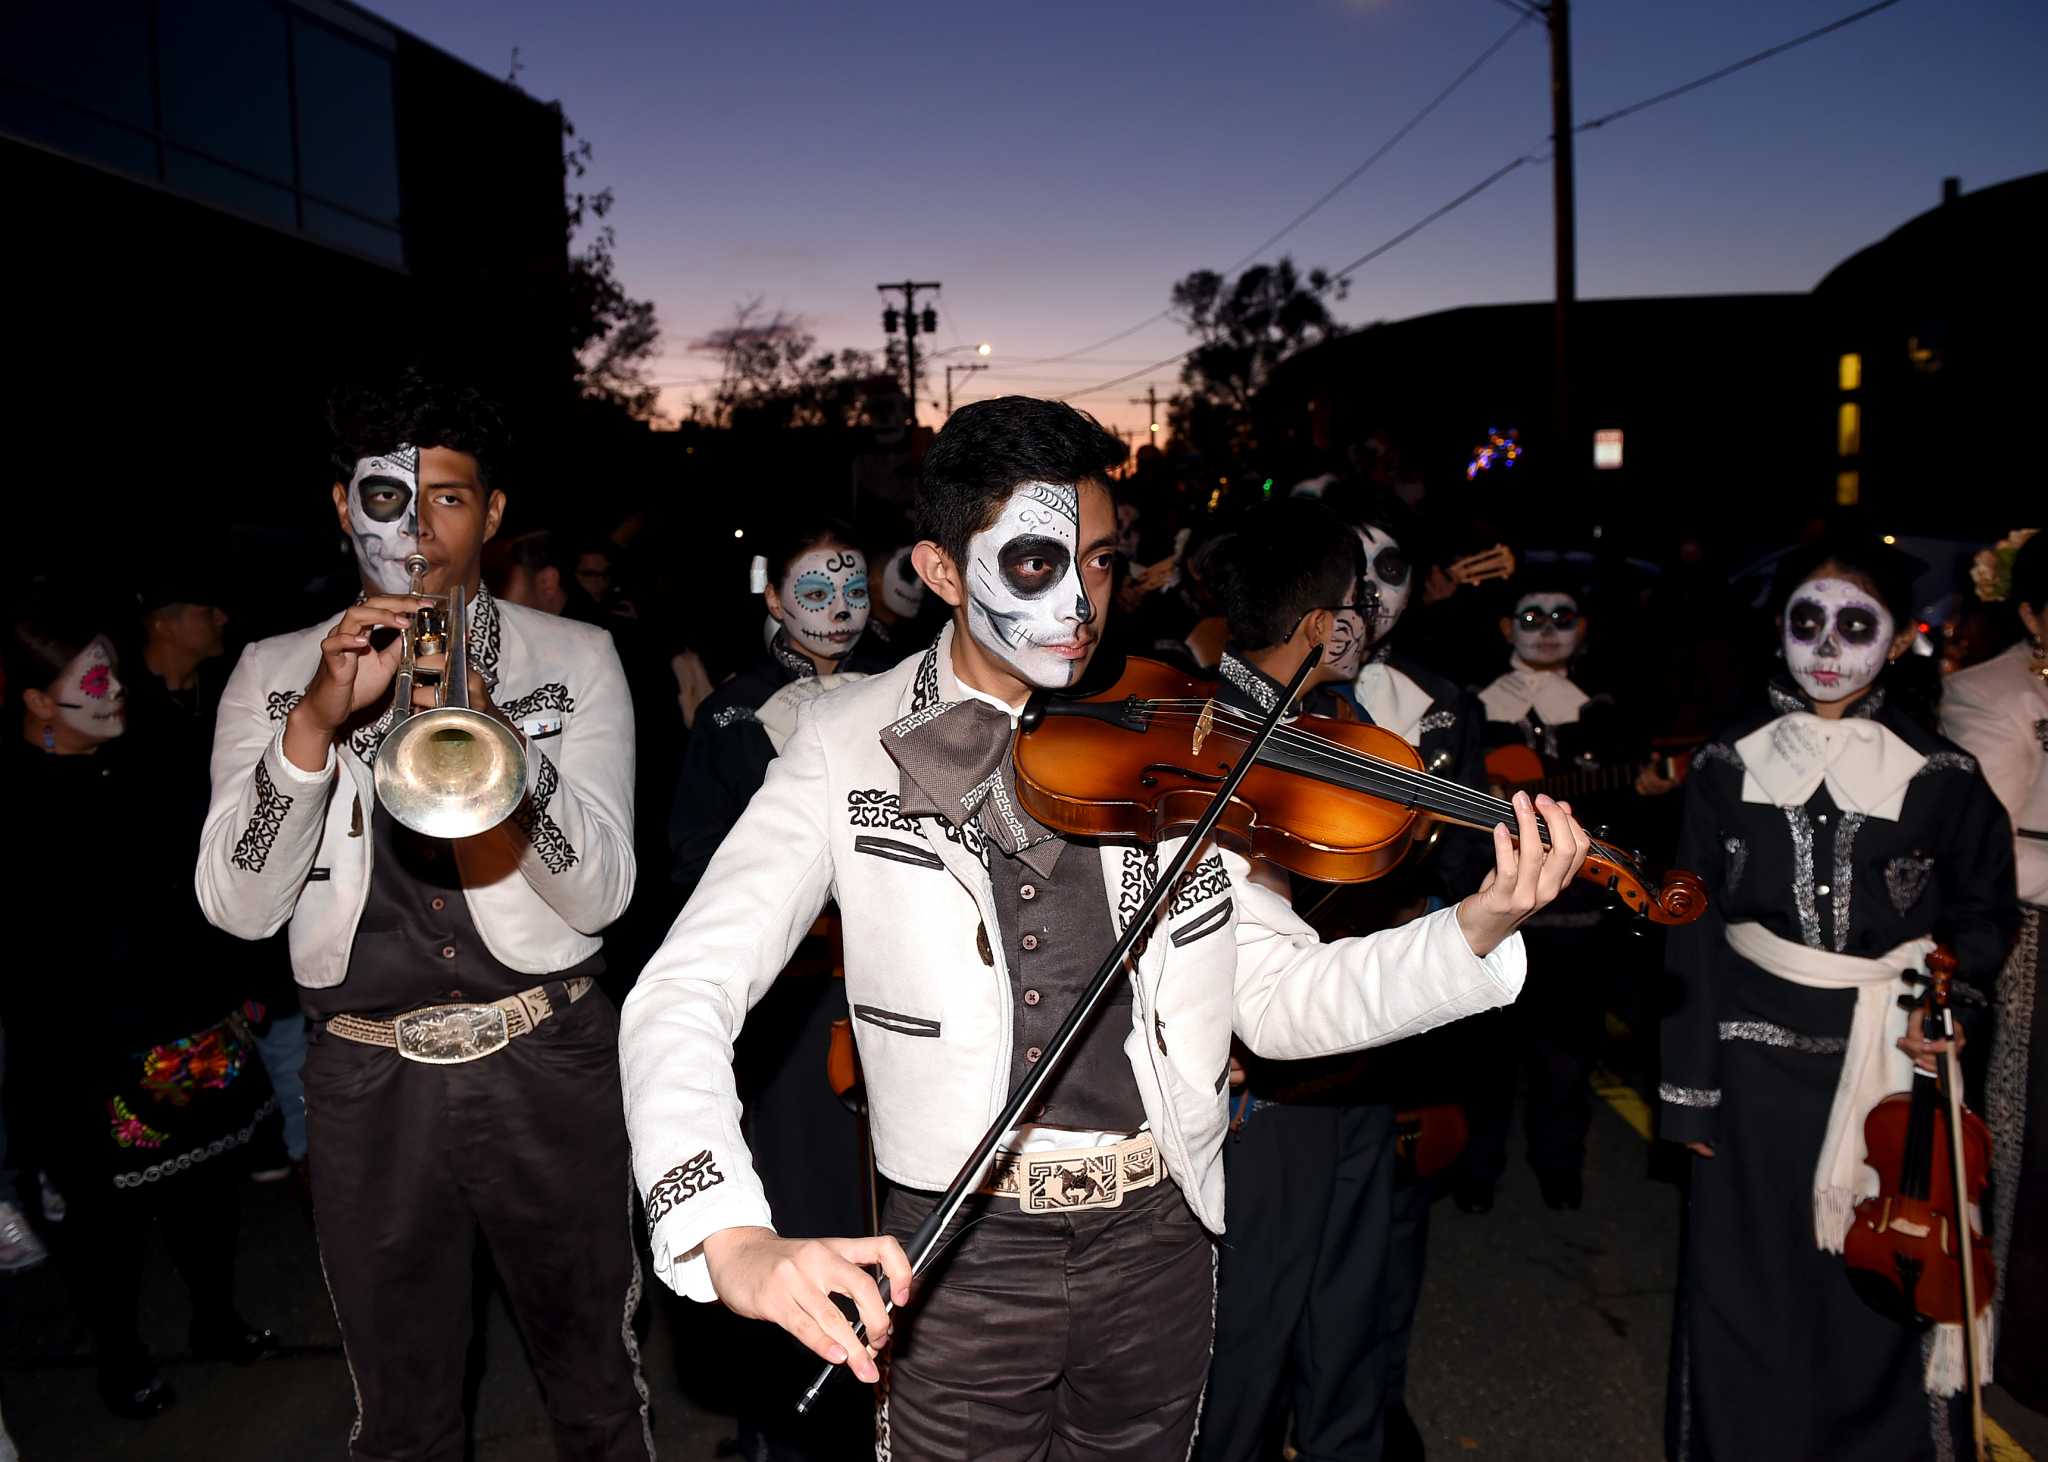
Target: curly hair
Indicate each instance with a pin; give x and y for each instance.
(414, 409)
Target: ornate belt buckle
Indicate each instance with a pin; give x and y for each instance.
(446, 1035)
(1057, 1183)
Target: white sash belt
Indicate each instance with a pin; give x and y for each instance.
(1873, 1067)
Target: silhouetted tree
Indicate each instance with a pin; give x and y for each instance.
(1245, 327)
(772, 376)
(612, 336)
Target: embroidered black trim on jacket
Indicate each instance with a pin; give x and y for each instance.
(546, 835)
(680, 1184)
(554, 696)
(278, 703)
(925, 692)
(1200, 884)
(252, 850)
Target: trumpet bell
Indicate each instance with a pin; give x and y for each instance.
(450, 772)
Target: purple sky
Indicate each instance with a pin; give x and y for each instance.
(1059, 165)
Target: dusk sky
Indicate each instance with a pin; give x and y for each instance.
(1057, 166)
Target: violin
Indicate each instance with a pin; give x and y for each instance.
(1913, 1250)
(1331, 800)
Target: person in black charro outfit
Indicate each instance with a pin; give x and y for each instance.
(139, 1091)
(1837, 838)
(462, 1081)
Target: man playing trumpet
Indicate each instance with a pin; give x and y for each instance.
(462, 1077)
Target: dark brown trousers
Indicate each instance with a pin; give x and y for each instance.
(1046, 1337)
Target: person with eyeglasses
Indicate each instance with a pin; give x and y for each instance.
(1543, 728)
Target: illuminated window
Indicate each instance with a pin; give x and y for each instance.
(1848, 487)
(1607, 448)
(1848, 429)
(1851, 371)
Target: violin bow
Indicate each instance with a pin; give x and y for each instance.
(923, 1248)
(1941, 971)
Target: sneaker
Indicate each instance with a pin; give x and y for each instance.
(19, 1247)
(54, 1207)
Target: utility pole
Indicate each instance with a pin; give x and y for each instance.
(953, 370)
(913, 322)
(1557, 14)
(1150, 401)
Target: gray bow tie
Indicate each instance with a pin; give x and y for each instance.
(955, 761)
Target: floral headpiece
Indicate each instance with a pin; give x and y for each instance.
(1991, 569)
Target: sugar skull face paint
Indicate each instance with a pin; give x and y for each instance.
(1392, 578)
(824, 599)
(1026, 602)
(1836, 638)
(902, 589)
(1546, 629)
(1350, 636)
(384, 517)
(90, 699)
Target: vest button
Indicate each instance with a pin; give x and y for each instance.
(1031, 997)
(1028, 892)
(1029, 941)
(438, 905)
(1033, 1054)
(447, 951)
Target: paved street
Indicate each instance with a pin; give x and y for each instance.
(1542, 1339)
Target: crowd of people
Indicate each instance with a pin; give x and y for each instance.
(757, 1073)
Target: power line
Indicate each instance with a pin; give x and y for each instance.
(1502, 171)
(1744, 64)
(1309, 212)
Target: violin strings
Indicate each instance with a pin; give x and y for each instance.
(1491, 809)
(1454, 797)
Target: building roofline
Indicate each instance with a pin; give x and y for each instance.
(359, 19)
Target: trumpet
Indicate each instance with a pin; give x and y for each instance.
(451, 771)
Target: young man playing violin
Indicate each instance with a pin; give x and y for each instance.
(1070, 1314)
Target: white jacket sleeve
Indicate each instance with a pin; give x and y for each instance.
(759, 896)
(264, 821)
(575, 828)
(1297, 997)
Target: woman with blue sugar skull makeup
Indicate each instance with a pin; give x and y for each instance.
(1839, 837)
(818, 593)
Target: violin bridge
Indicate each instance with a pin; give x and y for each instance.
(1203, 724)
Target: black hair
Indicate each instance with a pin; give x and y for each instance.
(2030, 574)
(543, 548)
(1541, 578)
(42, 640)
(1286, 559)
(798, 537)
(1364, 503)
(988, 448)
(414, 410)
(1886, 571)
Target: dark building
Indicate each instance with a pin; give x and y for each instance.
(1933, 340)
(219, 209)
(1905, 384)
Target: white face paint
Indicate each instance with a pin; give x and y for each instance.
(1836, 638)
(1392, 577)
(1539, 638)
(384, 517)
(1026, 603)
(902, 589)
(824, 596)
(90, 699)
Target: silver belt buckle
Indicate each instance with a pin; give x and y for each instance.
(1055, 1184)
(446, 1035)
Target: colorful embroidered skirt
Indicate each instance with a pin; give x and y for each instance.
(175, 1106)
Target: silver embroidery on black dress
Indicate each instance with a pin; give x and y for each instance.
(1737, 852)
(1801, 829)
(1846, 828)
(1905, 879)
(1689, 1096)
(1765, 1033)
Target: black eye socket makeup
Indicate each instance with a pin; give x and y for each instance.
(1563, 617)
(1805, 621)
(1390, 567)
(1856, 626)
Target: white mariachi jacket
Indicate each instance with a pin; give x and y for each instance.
(281, 844)
(932, 998)
(1998, 712)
